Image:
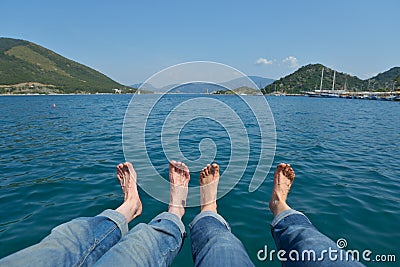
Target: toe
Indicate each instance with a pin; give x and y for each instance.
(279, 167)
(215, 168)
(289, 173)
(185, 168)
(120, 171)
(179, 168)
(187, 173)
(207, 170)
(130, 167)
(172, 164)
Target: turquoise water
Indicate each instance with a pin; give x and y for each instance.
(59, 163)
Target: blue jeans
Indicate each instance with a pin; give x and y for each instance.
(153, 244)
(80, 242)
(213, 244)
(293, 232)
(104, 240)
(159, 242)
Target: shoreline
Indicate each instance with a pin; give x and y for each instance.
(378, 95)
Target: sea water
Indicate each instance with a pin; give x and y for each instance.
(59, 163)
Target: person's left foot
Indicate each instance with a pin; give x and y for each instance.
(209, 178)
(179, 177)
(283, 180)
(132, 206)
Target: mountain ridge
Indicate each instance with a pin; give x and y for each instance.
(26, 67)
(308, 78)
(200, 87)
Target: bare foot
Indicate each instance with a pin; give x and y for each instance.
(179, 177)
(132, 206)
(209, 178)
(283, 179)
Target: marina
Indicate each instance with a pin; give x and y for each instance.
(367, 95)
(382, 96)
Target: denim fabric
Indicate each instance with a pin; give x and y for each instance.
(87, 241)
(293, 231)
(80, 242)
(153, 244)
(213, 244)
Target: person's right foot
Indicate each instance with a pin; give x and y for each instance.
(209, 178)
(132, 206)
(283, 179)
(179, 177)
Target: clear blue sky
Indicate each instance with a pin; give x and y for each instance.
(131, 40)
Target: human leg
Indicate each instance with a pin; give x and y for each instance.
(158, 242)
(213, 243)
(293, 232)
(82, 241)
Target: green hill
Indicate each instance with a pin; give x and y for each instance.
(29, 68)
(308, 78)
(384, 81)
(240, 91)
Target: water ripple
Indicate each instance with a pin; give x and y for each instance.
(58, 164)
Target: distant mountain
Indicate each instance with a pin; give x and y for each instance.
(189, 88)
(308, 78)
(261, 82)
(136, 85)
(193, 88)
(144, 86)
(26, 67)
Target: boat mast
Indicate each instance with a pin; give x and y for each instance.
(334, 77)
(391, 92)
(322, 77)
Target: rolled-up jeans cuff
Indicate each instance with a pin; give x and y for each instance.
(117, 218)
(209, 214)
(283, 215)
(173, 218)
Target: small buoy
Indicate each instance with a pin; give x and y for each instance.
(54, 105)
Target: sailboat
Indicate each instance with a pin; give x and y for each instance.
(332, 93)
(317, 93)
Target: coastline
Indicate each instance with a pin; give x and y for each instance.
(366, 95)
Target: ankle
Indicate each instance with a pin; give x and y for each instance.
(178, 211)
(126, 211)
(209, 207)
(278, 206)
